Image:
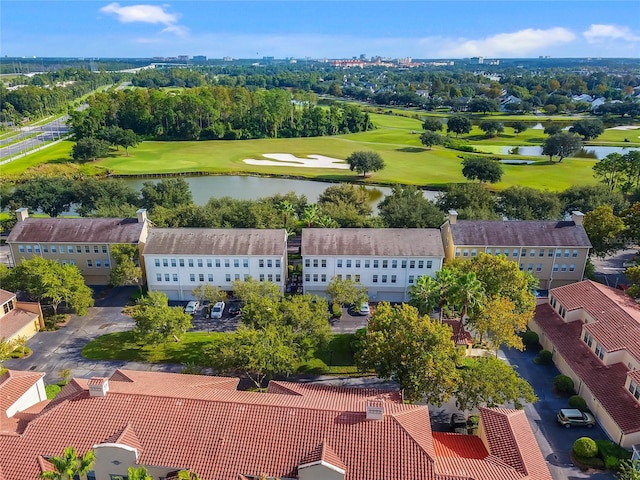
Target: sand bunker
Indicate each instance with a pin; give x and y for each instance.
(288, 160)
(625, 127)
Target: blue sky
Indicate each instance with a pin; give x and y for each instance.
(320, 29)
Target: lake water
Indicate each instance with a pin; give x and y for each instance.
(597, 152)
(251, 188)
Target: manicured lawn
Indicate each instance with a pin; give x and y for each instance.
(335, 359)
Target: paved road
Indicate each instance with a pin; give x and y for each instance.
(555, 441)
(610, 270)
(47, 132)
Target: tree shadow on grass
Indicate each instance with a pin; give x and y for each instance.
(411, 149)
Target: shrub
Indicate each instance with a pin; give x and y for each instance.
(545, 357)
(336, 310)
(530, 340)
(356, 343)
(585, 447)
(563, 384)
(315, 366)
(52, 391)
(576, 401)
(612, 454)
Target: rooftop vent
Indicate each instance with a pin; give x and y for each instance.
(98, 387)
(375, 409)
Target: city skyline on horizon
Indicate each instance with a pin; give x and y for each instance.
(321, 29)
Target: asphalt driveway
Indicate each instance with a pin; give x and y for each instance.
(555, 441)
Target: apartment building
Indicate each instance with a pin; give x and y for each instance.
(179, 259)
(594, 334)
(85, 242)
(387, 261)
(169, 422)
(555, 252)
(18, 319)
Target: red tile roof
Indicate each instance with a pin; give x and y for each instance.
(14, 321)
(5, 296)
(215, 427)
(14, 384)
(616, 314)
(606, 382)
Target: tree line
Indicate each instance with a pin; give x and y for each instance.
(214, 112)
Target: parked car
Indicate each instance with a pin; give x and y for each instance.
(572, 417)
(364, 308)
(458, 423)
(217, 310)
(192, 307)
(235, 308)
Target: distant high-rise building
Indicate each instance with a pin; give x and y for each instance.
(199, 58)
(183, 58)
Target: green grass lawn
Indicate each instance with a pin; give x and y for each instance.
(397, 140)
(335, 359)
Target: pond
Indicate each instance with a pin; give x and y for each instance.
(595, 152)
(251, 188)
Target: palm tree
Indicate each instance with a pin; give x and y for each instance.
(286, 208)
(425, 294)
(447, 281)
(69, 464)
(138, 474)
(310, 214)
(469, 292)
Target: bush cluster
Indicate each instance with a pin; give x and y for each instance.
(585, 447)
(531, 340)
(576, 401)
(545, 357)
(563, 384)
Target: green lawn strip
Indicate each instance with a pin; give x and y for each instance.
(336, 358)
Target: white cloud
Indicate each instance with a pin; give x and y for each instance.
(520, 43)
(154, 14)
(599, 33)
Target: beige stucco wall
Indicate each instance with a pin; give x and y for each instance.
(28, 331)
(35, 394)
(113, 459)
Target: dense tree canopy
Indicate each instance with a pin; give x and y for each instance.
(561, 145)
(365, 161)
(588, 129)
(605, 231)
(482, 169)
(459, 124)
(407, 207)
(156, 321)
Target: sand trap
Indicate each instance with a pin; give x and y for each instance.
(625, 127)
(288, 160)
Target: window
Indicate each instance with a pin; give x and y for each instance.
(465, 252)
(315, 263)
(173, 262)
(261, 263)
(524, 252)
(384, 279)
(338, 263)
(62, 249)
(564, 267)
(349, 263)
(165, 262)
(357, 263)
(550, 252)
(270, 263)
(533, 252)
(555, 267)
(324, 263)
(277, 263)
(261, 277)
(356, 278)
(156, 262)
(307, 262)
(210, 277)
(489, 251)
(339, 276)
(394, 263)
(404, 263)
(600, 351)
(588, 339)
(411, 278)
(181, 262)
(90, 263)
(366, 264)
(315, 277)
(498, 251)
(227, 277)
(104, 249)
(73, 262)
(236, 263)
(541, 254)
(117, 477)
(323, 277)
(429, 263)
(159, 277)
(307, 277)
(217, 263)
(78, 249)
(245, 262)
(209, 263)
(457, 252)
(200, 263)
(515, 252)
(474, 252)
(376, 264)
(539, 267)
(190, 262)
(634, 389)
(96, 249)
(201, 277)
(279, 278)
(530, 267)
(45, 249)
(375, 279)
(412, 264)
(348, 276)
(522, 266)
(87, 249)
(106, 263)
(29, 248)
(394, 279)
(54, 249)
(574, 253)
(175, 277)
(245, 277)
(420, 263)
(227, 262)
(237, 276)
(192, 277)
(558, 252)
(98, 264)
(572, 267)
(566, 252)
(385, 263)
(166, 277)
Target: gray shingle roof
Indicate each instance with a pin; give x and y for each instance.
(387, 242)
(216, 241)
(76, 230)
(535, 233)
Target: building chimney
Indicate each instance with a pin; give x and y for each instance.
(577, 217)
(98, 387)
(142, 215)
(375, 409)
(22, 214)
(453, 217)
